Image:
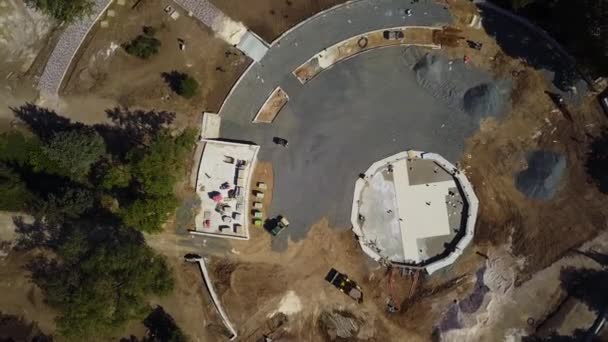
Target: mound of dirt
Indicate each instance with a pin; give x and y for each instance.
(482, 101)
(541, 179)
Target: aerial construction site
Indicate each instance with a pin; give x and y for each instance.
(364, 170)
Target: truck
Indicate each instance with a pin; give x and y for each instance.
(344, 284)
(281, 223)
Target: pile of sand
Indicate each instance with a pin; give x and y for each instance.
(541, 179)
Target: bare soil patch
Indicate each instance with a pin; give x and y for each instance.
(270, 18)
(273, 105)
(105, 71)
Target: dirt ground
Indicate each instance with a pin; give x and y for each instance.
(496, 153)
(19, 296)
(532, 239)
(270, 18)
(262, 173)
(106, 72)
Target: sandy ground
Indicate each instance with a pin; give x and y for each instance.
(106, 76)
(19, 296)
(270, 18)
(524, 239)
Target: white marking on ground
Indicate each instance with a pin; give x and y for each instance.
(290, 304)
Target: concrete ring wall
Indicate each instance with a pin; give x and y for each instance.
(469, 194)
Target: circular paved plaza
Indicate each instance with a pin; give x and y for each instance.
(359, 110)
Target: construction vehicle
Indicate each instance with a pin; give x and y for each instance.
(282, 223)
(344, 284)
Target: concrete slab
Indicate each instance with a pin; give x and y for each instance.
(210, 127)
(224, 208)
(253, 46)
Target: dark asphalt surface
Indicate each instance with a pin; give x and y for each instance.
(357, 112)
(360, 111)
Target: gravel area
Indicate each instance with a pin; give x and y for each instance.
(202, 10)
(224, 27)
(462, 87)
(66, 48)
(541, 179)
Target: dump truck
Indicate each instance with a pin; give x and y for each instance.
(344, 284)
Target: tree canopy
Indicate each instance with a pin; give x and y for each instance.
(91, 203)
(63, 10)
(143, 46)
(75, 151)
(15, 195)
(98, 285)
(187, 87)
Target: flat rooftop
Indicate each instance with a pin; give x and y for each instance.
(223, 184)
(412, 208)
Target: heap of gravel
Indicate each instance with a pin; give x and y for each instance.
(202, 10)
(483, 100)
(541, 179)
(460, 86)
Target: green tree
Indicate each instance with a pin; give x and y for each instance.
(117, 176)
(162, 327)
(63, 10)
(15, 195)
(68, 204)
(157, 167)
(149, 214)
(75, 151)
(187, 87)
(143, 46)
(98, 286)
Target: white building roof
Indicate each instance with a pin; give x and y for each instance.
(422, 210)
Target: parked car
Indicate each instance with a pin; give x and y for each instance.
(393, 34)
(280, 141)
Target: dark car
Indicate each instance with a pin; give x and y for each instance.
(280, 141)
(393, 34)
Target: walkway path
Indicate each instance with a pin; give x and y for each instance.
(61, 58)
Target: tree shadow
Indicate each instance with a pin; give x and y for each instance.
(43, 122)
(598, 257)
(131, 128)
(15, 328)
(577, 336)
(597, 162)
(587, 285)
(33, 235)
(530, 46)
(162, 327)
(173, 79)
